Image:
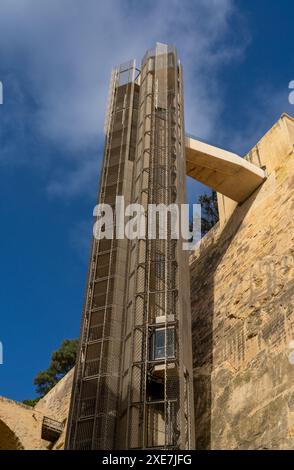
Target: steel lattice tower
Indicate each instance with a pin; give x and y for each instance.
(133, 380)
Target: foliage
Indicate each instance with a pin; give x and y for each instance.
(209, 211)
(62, 361)
(31, 402)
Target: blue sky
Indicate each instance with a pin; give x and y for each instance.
(55, 61)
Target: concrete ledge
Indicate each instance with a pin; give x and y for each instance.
(223, 171)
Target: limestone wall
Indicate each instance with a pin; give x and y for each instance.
(56, 404)
(242, 311)
(21, 425)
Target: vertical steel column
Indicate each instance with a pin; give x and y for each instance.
(95, 396)
(159, 298)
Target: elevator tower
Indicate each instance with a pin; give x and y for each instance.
(133, 379)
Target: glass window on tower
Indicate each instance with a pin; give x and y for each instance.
(159, 349)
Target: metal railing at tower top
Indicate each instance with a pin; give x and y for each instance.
(159, 49)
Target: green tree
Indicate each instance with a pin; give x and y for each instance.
(209, 211)
(45, 380)
(61, 362)
(31, 402)
(64, 358)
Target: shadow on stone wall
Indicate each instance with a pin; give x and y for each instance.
(8, 439)
(213, 248)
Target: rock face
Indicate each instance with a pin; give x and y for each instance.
(21, 425)
(56, 405)
(242, 311)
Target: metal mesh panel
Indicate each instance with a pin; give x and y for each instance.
(84, 434)
(155, 423)
(136, 392)
(136, 335)
(135, 426)
(99, 360)
(89, 398)
(138, 349)
(159, 265)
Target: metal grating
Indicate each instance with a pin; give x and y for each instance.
(51, 429)
(125, 396)
(155, 402)
(97, 378)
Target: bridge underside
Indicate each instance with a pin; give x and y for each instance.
(223, 171)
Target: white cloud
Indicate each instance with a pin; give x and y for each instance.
(259, 114)
(78, 180)
(69, 47)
